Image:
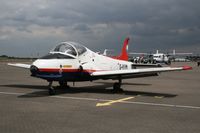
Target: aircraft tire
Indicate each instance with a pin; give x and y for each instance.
(52, 91)
(117, 87)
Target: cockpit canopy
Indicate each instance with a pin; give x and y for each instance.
(69, 48)
(66, 49)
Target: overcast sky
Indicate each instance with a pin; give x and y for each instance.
(29, 27)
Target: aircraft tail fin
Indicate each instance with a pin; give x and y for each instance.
(124, 52)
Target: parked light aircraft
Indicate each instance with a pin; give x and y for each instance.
(162, 57)
(72, 62)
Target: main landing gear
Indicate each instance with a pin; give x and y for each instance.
(62, 84)
(117, 86)
(51, 89)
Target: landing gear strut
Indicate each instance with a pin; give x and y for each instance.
(117, 86)
(51, 89)
(63, 84)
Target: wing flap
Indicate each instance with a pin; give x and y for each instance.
(146, 65)
(27, 66)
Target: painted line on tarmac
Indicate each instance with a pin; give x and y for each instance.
(113, 101)
(105, 100)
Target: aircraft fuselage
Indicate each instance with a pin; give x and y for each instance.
(77, 68)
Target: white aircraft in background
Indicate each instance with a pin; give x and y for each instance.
(105, 53)
(72, 62)
(161, 57)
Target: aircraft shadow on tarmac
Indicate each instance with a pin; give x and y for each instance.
(99, 89)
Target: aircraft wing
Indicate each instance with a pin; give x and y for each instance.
(144, 72)
(27, 66)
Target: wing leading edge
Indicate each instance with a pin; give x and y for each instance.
(27, 66)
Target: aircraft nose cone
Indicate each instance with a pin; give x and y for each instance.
(34, 70)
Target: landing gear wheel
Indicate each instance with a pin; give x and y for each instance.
(117, 88)
(168, 63)
(52, 91)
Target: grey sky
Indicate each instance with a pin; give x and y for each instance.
(28, 27)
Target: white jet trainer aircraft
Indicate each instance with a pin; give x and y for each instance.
(71, 62)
